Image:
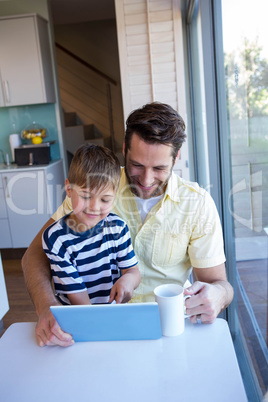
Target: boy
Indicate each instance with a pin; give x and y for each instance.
(90, 251)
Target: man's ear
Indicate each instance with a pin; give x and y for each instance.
(68, 188)
(124, 149)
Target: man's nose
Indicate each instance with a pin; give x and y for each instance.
(147, 179)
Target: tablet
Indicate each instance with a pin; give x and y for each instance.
(109, 322)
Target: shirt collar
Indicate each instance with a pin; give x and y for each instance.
(176, 187)
(123, 185)
(172, 190)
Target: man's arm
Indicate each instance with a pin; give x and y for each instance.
(211, 294)
(37, 274)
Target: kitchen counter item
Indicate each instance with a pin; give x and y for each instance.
(47, 143)
(32, 131)
(33, 154)
(15, 142)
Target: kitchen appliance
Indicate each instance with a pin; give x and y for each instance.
(33, 154)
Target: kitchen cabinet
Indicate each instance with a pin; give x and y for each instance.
(30, 196)
(25, 61)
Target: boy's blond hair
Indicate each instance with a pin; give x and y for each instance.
(94, 167)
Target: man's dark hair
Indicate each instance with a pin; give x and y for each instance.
(156, 123)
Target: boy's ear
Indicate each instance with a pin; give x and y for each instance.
(68, 188)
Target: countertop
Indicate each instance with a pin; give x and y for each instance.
(13, 167)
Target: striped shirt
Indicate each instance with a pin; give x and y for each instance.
(89, 260)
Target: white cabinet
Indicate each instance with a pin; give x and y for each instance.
(25, 61)
(31, 196)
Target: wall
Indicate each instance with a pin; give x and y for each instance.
(47, 115)
(94, 41)
(82, 90)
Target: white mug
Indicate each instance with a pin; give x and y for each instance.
(170, 299)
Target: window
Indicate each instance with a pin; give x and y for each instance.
(228, 64)
(246, 78)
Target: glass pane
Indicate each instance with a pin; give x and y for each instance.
(245, 33)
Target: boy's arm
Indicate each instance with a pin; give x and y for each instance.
(79, 298)
(123, 289)
(65, 271)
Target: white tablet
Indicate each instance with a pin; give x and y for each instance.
(109, 322)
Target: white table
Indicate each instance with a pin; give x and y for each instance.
(199, 365)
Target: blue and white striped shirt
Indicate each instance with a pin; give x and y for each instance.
(89, 260)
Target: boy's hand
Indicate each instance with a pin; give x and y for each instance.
(123, 289)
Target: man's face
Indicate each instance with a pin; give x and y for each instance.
(148, 167)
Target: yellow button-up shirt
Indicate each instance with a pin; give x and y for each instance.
(181, 231)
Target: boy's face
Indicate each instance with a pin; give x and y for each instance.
(89, 206)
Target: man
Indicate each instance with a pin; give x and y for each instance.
(174, 225)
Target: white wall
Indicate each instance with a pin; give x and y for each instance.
(95, 43)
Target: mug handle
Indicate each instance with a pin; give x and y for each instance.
(185, 297)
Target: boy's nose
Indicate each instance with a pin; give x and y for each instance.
(93, 204)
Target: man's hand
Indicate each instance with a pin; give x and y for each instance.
(211, 294)
(48, 332)
(206, 303)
